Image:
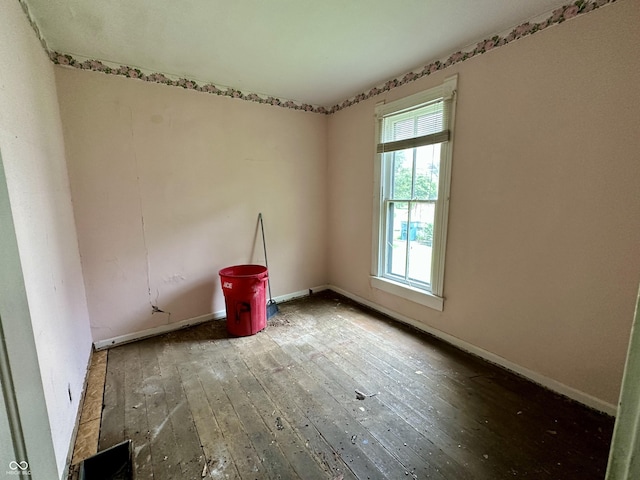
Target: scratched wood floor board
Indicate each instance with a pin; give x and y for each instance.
(231, 453)
(281, 404)
(566, 460)
(447, 427)
(529, 419)
(272, 457)
(318, 414)
(341, 408)
(383, 421)
(393, 409)
(518, 425)
(415, 392)
(136, 425)
(219, 461)
(452, 380)
(293, 413)
(112, 424)
(261, 433)
(334, 425)
(162, 442)
(170, 355)
(388, 428)
(289, 438)
(511, 389)
(237, 441)
(583, 429)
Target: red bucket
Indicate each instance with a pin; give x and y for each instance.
(245, 299)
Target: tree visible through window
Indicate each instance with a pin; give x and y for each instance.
(410, 213)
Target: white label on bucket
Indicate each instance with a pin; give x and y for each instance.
(228, 285)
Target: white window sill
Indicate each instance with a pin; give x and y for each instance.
(409, 293)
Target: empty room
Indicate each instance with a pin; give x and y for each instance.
(340, 239)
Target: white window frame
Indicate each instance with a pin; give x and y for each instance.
(434, 298)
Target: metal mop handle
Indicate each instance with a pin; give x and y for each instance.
(264, 245)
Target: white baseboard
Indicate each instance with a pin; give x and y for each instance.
(152, 332)
(190, 322)
(300, 293)
(551, 384)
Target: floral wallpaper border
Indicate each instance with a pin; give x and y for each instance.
(186, 83)
(558, 16)
(528, 28)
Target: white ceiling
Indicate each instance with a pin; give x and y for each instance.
(314, 51)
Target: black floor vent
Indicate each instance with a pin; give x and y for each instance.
(111, 464)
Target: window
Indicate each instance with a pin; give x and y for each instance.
(413, 167)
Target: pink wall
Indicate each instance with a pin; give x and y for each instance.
(167, 185)
(32, 151)
(543, 259)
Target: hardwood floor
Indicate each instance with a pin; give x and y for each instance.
(282, 404)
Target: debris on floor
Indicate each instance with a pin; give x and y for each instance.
(279, 424)
(361, 395)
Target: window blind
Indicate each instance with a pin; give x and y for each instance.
(425, 125)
